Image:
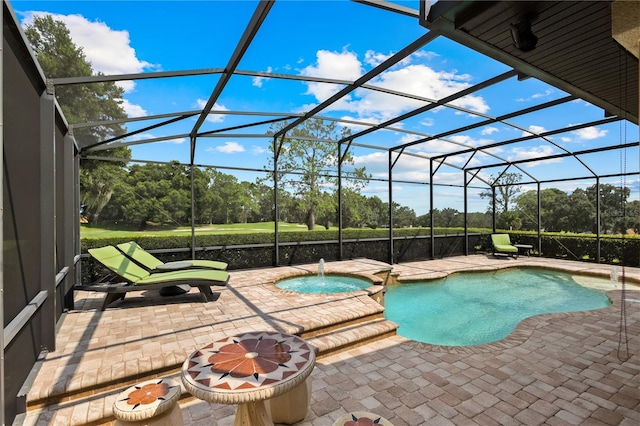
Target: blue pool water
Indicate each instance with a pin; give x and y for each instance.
(319, 285)
(481, 307)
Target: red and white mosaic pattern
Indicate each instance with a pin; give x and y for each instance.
(361, 418)
(248, 367)
(145, 400)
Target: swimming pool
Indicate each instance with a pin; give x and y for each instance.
(473, 308)
(316, 284)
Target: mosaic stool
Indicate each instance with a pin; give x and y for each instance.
(362, 418)
(153, 402)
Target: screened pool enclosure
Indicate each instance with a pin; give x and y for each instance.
(468, 100)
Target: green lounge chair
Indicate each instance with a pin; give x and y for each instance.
(153, 264)
(132, 277)
(502, 244)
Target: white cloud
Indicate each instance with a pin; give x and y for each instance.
(448, 178)
(423, 81)
(544, 94)
(469, 141)
(375, 58)
(257, 81)
(380, 158)
(427, 122)
(376, 106)
(359, 127)
(565, 139)
(176, 140)
(213, 118)
(474, 103)
(424, 54)
(229, 148)
(534, 152)
(533, 129)
(336, 65)
(407, 138)
(147, 136)
(589, 133)
(489, 130)
(257, 150)
(133, 110)
(109, 51)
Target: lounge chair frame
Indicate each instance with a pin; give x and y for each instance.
(127, 276)
(148, 261)
(501, 243)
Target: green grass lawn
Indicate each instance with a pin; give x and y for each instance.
(97, 231)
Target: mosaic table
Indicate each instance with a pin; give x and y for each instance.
(246, 370)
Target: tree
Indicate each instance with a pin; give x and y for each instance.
(507, 187)
(613, 200)
(99, 187)
(327, 211)
(307, 162)
(60, 57)
(632, 215)
(555, 212)
(403, 216)
(159, 193)
(479, 220)
(447, 218)
(581, 212)
(229, 191)
(250, 195)
(376, 212)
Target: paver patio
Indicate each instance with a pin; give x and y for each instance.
(557, 369)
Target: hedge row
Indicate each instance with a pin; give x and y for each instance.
(409, 243)
(234, 239)
(614, 249)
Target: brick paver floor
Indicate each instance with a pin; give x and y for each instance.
(558, 369)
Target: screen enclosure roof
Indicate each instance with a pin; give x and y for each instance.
(463, 86)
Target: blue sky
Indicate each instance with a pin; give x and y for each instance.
(337, 39)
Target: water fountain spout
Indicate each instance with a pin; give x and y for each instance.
(321, 269)
(615, 271)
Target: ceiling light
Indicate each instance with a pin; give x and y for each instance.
(523, 37)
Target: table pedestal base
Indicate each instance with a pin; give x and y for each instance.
(291, 407)
(252, 414)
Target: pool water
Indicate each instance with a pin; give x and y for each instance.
(323, 284)
(482, 307)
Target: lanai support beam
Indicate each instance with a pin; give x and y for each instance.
(539, 212)
(276, 207)
(192, 147)
(47, 213)
(340, 248)
(2, 373)
(466, 209)
(493, 206)
(390, 183)
(598, 219)
(431, 222)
